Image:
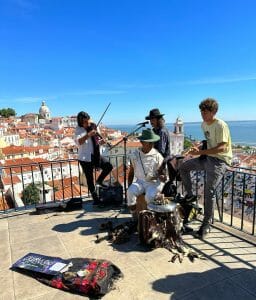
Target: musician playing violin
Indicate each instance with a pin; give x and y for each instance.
(89, 140)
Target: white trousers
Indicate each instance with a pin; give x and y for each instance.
(139, 187)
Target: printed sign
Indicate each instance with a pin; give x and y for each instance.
(41, 263)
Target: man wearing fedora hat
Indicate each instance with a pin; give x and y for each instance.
(145, 165)
(158, 124)
(163, 145)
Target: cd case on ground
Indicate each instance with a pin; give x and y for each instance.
(42, 264)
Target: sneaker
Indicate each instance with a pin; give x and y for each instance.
(194, 212)
(190, 199)
(203, 231)
(101, 184)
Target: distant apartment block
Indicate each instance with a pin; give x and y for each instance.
(9, 139)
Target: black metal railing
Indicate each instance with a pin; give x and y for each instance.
(236, 199)
(23, 186)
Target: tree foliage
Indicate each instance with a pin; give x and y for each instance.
(7, 112)
(30, 194)
(187, 144)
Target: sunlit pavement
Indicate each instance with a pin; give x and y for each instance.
(228, 272)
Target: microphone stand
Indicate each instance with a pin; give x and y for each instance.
(124, 139)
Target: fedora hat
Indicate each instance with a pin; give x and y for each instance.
(149, 136)
(154, 113)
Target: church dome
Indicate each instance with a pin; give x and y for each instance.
(44, 111)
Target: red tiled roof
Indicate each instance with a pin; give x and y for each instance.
(25, 162)
(68, 192)
(118, 174)
(13, 150)
(40, 160)
(8, 180)
(134, 144)
(4, 204)
(65, 183)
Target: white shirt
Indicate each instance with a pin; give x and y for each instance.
(85, 150)
(146, 164)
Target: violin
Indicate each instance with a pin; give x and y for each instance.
(94, 126)
(96, 145)
(91, 127)
(97, 137)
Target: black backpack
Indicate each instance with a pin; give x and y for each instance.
(111, 195)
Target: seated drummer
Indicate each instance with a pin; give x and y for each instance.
(145, 164)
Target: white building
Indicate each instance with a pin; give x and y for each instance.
(58, 123)
(11, 139)
(30, 118)
(177, 137)
(45, 193)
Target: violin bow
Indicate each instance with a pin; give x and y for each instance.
(103, 115)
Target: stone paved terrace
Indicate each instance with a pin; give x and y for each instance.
(228, 272)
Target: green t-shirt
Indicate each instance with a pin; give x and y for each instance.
(218, 132)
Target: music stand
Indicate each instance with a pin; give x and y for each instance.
(124, 139)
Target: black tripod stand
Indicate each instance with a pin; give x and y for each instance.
(140, 125)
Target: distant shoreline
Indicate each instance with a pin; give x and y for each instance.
(242, 132)
(171, 123)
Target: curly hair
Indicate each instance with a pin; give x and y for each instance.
(209, 104)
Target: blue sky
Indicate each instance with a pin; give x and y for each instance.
(137, 55)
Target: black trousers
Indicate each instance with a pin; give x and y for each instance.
(88, 168)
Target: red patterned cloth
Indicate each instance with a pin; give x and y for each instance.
(87, 276)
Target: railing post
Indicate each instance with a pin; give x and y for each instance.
(42, 177)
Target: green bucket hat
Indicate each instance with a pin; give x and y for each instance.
(149, 136)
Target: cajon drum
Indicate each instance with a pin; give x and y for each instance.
(141, 203)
